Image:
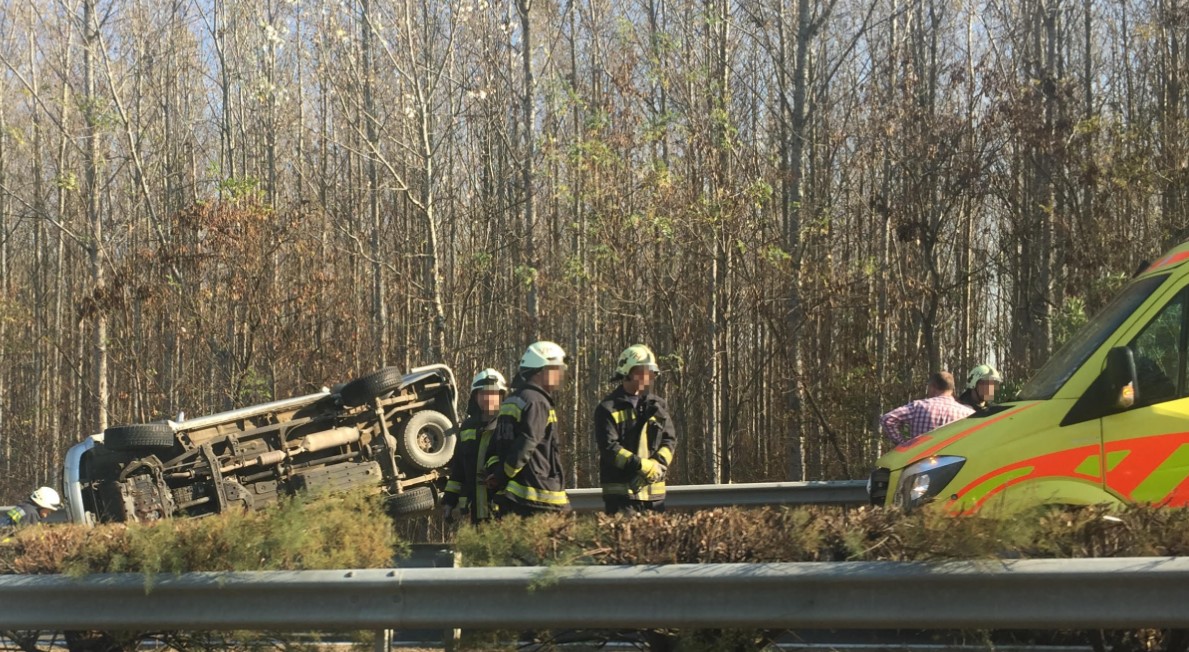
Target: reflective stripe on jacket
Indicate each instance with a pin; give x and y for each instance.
(21, 515)
(527, 452)
(626, 434)
(465, 487)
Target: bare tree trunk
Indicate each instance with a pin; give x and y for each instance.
(219, 32)
(54, 389)
(379, 298)
(433, 264)
(792, 210)
(527, 170)
(1046, 194)
(1088, 190)
(578, 335)
(1171, 119)
(884, 215)
(714, 428)
(721, 349)
(270, 118)
(324, 182)
(5, 284)
(300, 181)
(94, 213)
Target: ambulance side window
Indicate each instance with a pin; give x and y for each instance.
(1160, 354)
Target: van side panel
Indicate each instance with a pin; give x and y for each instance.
(1151, 466)
(1044, 491)
(940, 440)
(1072, 472)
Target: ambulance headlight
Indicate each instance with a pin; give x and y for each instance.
(921, 481)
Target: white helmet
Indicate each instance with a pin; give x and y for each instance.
(542, 354)
(982, 372)
(46, 498)
(489, 379)
(636, 355)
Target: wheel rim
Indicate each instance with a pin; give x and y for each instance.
(431, 439)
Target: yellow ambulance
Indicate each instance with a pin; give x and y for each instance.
(1105, 420)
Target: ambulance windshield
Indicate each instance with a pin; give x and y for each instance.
(1086, 341)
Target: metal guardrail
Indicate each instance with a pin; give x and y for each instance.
(1027, 594)
(705, 496)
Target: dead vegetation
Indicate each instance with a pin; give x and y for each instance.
(730, 535)
(349, 531)
(814, 534)
(332, 532)
(354, 532)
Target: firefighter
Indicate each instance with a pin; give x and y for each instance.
(33, 511)
(465, 491)
(635, 436)
(526, 468)
(980, 388)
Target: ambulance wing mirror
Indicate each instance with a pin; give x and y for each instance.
(1120, 374)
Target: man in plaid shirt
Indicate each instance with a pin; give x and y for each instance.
(919, 417)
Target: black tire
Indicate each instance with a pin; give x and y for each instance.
(365, 388)
(139, 436)
(412, 501)
(94, 641)
(427, 441)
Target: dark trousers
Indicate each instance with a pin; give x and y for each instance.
(622, 504)
(508, 507)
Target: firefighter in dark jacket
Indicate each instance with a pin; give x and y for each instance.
(635, 436)
(526, 470)
(465, 491)
(33, 511)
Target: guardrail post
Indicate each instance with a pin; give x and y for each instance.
(383, 640)
(451, 638)
(429, 555)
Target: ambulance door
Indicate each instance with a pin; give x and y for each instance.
(1146, 447)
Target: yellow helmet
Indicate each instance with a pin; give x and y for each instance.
(636, 355)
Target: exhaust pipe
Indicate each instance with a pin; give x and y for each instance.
(308, 444)
(329, 439)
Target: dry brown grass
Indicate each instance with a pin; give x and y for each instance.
(733, 535)
(333, 532)
(353, 532)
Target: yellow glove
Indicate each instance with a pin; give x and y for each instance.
(652, 470)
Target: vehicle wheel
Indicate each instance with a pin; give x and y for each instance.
(94, 641)
(428, 440)
(139, 436)
(365, 388)
(417, 499)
